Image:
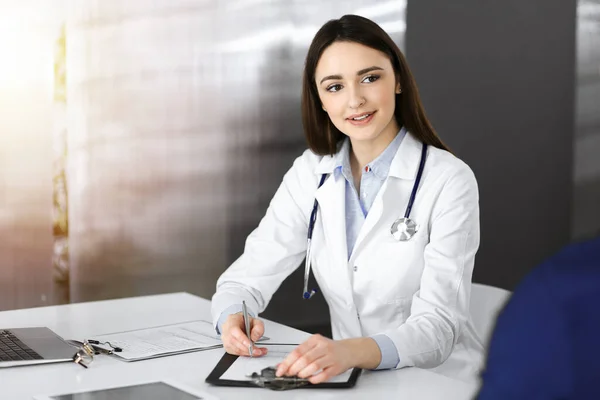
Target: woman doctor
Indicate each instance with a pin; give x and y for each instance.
(395, 272)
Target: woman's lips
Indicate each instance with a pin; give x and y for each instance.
(362, 121)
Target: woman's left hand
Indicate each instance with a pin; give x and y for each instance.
(318, 353)
(330, 357)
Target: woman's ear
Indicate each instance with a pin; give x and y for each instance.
(398, 89)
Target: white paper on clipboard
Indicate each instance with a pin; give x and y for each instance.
(243, 367)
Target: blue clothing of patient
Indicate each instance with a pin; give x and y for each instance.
(546, 341)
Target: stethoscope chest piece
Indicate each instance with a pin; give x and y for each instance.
(403, 229)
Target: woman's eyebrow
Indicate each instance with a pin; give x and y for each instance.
(359, 73)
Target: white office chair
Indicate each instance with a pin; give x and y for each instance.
(486, 303)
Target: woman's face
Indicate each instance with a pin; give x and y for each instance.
(357, 88)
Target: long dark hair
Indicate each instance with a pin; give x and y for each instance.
(322, 136)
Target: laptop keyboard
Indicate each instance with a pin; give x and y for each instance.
(12, 349)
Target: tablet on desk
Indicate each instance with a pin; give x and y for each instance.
(145, 391)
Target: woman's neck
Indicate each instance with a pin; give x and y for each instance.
(362, 152)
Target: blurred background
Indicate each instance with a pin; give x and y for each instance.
(141, 141)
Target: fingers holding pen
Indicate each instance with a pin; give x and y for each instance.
(243, 342)
(235, 340)
(257, 329)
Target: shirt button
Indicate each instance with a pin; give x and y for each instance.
(358, 316)
(355, 268)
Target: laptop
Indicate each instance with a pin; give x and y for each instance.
(31, 346)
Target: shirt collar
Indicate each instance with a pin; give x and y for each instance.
(380, 166)
(342, 161)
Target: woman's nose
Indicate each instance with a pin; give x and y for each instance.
(356, 98)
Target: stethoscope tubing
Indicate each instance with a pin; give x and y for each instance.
(413, 194)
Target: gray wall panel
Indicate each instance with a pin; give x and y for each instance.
(497, 81)
(586, 174)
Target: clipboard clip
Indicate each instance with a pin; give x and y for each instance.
(267, 379)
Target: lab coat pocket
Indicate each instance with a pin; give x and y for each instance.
(395, 269)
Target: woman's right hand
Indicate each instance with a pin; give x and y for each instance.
(235, 340)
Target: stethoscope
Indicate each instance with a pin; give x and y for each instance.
(402, 229)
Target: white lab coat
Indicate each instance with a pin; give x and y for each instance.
(417, 292)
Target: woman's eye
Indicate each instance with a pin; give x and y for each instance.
(370, 78)
(334, 88)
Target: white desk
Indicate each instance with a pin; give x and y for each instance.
(85, 320)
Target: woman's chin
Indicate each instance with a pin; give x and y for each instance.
(363, 136)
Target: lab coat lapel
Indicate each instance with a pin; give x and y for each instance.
(332, 205)
(331, 199)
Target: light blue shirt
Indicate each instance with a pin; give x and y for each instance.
(357, 208)
(373, 176)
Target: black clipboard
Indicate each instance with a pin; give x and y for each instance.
(214, 378)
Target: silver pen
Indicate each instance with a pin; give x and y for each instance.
(247, 325)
